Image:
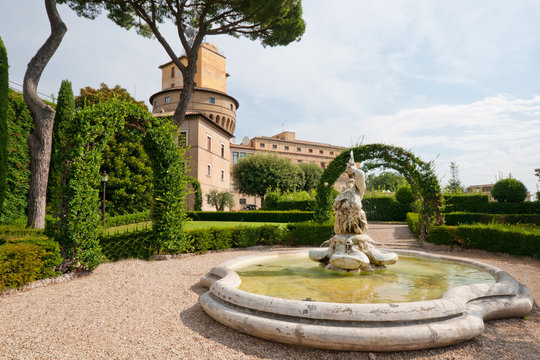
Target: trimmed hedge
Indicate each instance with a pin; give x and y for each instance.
(385, 209)
(251, 216)
(127, 219)
(510, 239)
(25, 258)
(288, 205)
(473, 218)
(468, 203)
(138, 245)
(308, 233)
(481, 204)
(414, 223)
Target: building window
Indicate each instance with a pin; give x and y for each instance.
(232, 107)
(234, 157)
(222, 175)
(242, 201)
(331, 153)
(222, 150)
(242, 155)
(208, 170)
(274, 146)
(261, 145)
(172, 72)
(310, 151)
(299, 161)
(298, 149)
(286, 147)
(321, 152)
(323, 165)
(208, 142)
(212, 100)
(167, 100)
(183, 138)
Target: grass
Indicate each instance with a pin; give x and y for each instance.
(190, 225)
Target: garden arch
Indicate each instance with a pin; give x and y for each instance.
(79, 227)
(420, 175)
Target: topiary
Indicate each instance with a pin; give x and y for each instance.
(509, 190)
(404, 194)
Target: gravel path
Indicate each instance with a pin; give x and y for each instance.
(137, 309)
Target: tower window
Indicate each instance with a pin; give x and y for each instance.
(286, 147)
(261, 145)
(222, 175)
(298, 149)
(208, 170)
(321, 152)
(208, 142)
(212, 100)
(274, 146)
(232, 107)
(222, 150)
(172, 72)
(310, 151)
(167, 100)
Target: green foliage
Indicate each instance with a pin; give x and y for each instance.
(509, 190)
(308, 233)
(274, 22)
(65, 111)
(133, 245)
(127, 219)
(420, 175)
(385, 209)
(196, 186)
(129, 188)
(454, 184)
(170, 184)
(512, 208)
(386, 180)
(469, 203)
(20, 124)
(254, 175)
(298, 200)
(404, 194)
(252, 216)
(414, 223)
(510, 239)
(26, 255)
(309, 176)
(220, 199)
(4, 103)
(458, 218)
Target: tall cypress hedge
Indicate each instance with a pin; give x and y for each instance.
(4, 86)
(65, 111)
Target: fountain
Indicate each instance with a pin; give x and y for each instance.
(351, 249)
(354, 303)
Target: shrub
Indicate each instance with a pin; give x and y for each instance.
(251, 216)
(509, 190)
(414, 223)
(472, 218)
(404, 195)
(526, 207)
(127, 219)
(468, 203)
(137, 245)
(308, 233)
(385, 208)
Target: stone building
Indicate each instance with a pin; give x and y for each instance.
(209, 126)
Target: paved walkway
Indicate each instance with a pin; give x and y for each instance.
(137, 309)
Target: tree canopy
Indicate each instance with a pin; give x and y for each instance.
(309, 176)
(255, 174)
(386, 180)
(454, 184)
(274, 22)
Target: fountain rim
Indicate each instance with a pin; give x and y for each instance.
(223, 282)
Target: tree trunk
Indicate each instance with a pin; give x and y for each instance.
(40, 140)
(187, 86)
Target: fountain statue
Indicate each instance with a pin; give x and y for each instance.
(351, 249)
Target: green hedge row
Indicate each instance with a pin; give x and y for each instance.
(414, 223)
(141, 245)
(385, 209)
(481, 204)
(251, 216)
(458, 218)
(511, 239)
(288, 205)
(25, 258)
(127, 219)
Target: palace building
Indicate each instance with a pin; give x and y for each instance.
(209, 127)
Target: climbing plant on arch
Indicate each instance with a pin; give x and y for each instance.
(80, 227)
(419, 174)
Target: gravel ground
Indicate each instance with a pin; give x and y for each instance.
(137, 309)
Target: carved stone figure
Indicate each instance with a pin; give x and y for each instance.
(351, 249)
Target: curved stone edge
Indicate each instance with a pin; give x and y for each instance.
(348, 337)
(457, 317)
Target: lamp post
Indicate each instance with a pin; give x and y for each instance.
(104, 178)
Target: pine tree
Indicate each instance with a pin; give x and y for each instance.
(454, 185)
(4, 100)
(65, 111)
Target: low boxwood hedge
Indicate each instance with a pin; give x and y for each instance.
(385, 209)
(251, 216)
(481, 204)
(458, 218)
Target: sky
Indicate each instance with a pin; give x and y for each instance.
(448, 80)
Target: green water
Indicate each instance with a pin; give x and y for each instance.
(410, 279)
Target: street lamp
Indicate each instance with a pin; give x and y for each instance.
(104, 178)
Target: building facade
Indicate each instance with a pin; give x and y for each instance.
(209, 127)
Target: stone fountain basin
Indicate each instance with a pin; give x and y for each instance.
(457, 316)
